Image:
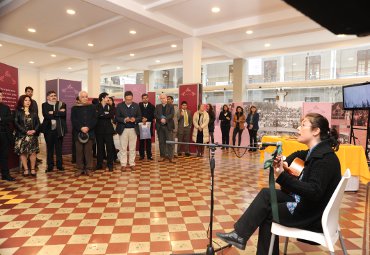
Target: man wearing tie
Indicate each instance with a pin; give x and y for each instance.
(164, 124)
(147, 112)
(184, 127)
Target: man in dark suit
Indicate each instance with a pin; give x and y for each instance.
(184, 127)
(104, 132)
(147, 113)
(54, 127)
(5, 138)
(83, 117)
(164, 114)
(128, 116)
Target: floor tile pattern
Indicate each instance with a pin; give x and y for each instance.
(160, 208)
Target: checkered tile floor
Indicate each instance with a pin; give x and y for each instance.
(161, 208)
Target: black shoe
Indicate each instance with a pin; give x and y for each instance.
(7, 178)
(99, 167)
(141, 158)
(110, 169)
(179, 154)
(150, 158)
(49, 169)
(38, 160)
(187, 154)
(233, 239)
(61, 169)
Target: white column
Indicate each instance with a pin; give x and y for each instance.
(282, 69)
(192, 60)
(148, 80)
(333, 64)
(239, 86)
(93, 78)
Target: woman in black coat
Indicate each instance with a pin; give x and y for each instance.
(225, 118)
(309, 194)
(211, 123)
(27, 126)
(252, 125)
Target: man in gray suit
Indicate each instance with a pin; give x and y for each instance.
(184, 127)
(164, 114)
(128, 115)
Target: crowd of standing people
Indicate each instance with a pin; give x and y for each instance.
(95, 124)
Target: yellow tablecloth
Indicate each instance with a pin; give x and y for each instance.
(350, 156)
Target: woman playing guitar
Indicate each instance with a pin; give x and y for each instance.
(309, 193)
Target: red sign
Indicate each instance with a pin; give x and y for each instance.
(192, 94)
(9, 85)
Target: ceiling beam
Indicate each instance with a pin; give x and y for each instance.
(84, 30)
(148, 44)
(222, 48)
(7, 6)
(41, 46)
(137, 12)
(161, 4)
(247, 22)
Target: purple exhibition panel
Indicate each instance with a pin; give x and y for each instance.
(51, 85)
(137, 90)
(67, 92)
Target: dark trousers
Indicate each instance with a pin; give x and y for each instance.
(166, 150)
(84, 155)
(183, 135)
(211, 137)
(4, 152)
(259, 215)
(74, 139)
(104, 142)
(225, 134)
(145, 145)
(252, 137)
(238, 131)
(53, 144)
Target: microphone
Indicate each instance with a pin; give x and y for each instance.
(170, 142)
(267, 144)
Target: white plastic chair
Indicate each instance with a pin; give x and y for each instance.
(329, 221)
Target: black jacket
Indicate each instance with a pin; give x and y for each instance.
(20, 125)
(225, 122)
(254, 119)
(84, 116)
(211, 123)
(58, 115)
(148, 113)
(123, 112)
(5, 118)
(321, 175)
(105, 116)
(169, 114)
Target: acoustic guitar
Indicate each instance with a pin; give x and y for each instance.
(295, 169)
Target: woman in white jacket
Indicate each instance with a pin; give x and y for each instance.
(200, 131)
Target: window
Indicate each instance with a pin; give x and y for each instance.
(313, 67)
(363, 62)
(269, 70)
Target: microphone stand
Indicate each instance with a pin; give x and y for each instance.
(212, 164)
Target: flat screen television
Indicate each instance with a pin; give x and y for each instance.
(356, 97)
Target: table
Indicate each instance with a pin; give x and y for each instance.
(350, 156)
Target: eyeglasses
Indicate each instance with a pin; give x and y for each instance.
(305, 125)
